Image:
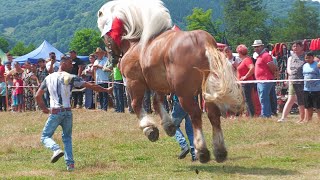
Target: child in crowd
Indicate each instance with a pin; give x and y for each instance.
(311, 70)
(3, 91)
(17, 93)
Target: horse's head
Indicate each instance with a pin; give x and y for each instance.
(104, 21)
(139, 20)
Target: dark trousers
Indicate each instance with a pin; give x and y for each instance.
(77, 98)
(103, 97)
(3, 103)
(247, 92)
(274, 100)
(147, 101)
(118, 90)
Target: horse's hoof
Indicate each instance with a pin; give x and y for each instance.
(152, 133)
(204, 155)
(220, 155)
(170, 129)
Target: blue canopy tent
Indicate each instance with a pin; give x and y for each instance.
(41, 52)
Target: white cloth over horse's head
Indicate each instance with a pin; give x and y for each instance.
(142, 19)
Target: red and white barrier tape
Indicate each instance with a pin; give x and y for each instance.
(284, 80)
(240, 82)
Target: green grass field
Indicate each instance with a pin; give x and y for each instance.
(111, 146)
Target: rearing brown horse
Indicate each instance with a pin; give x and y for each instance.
(165, 61)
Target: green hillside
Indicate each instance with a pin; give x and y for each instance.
(56, 21)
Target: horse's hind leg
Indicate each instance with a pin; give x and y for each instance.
(193, 109)
(166, 120)
(147, 124)
(220, 152)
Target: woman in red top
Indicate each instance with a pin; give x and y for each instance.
(245, 72)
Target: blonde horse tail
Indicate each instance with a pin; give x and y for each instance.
(221, 87)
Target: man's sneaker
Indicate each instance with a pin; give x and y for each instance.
(183, 153)
(194, 157)
(56, 155)
(70, 167)
(281, 120)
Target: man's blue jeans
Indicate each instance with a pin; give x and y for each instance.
(247, 92)
(103, 97)
(178, 114)
(64, 119)
(264, 91)
(118, 90)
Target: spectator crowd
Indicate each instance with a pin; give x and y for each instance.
(19, 83)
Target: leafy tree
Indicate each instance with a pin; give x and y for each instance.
(200, 19)
(4, 44)
(85, 41)
(20, 49)
(245, 21)
(306, 19)
(302, 23)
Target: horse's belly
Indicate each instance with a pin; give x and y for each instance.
(156, 79)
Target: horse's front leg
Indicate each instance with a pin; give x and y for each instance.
(166, 120)
(193, 109)
(220, 152)
(147, 124)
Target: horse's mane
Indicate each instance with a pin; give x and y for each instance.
(143, 19)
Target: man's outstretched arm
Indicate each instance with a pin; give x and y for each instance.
(96, 87)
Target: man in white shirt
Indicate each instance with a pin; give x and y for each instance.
(52, 65)
(59, 84)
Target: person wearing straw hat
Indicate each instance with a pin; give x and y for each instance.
(103, 71)
(265, 69)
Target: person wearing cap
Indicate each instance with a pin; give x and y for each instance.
(103, 69)
(59, 84)
(265, 69)
(76, 70)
